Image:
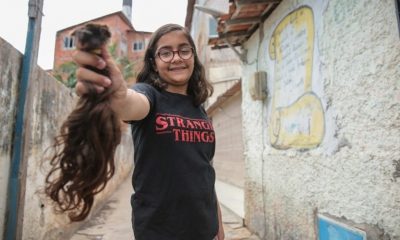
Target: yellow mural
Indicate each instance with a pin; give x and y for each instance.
(297, 117)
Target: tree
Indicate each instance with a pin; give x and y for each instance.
(66, 74)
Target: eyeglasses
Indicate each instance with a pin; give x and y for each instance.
(167, 55)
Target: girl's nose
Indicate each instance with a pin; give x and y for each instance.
(176, 57)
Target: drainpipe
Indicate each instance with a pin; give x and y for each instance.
(16, 183)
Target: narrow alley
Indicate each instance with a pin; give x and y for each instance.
(113, 220)
(302, 127)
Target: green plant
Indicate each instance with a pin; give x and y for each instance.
(66, 72)
(125, 64)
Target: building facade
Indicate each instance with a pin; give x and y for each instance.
(223, 69)
(322, 144)
(125, 41)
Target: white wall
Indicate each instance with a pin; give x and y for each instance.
(326, 140)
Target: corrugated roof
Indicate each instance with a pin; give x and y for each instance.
(242, 21)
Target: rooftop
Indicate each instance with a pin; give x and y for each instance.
(242, 21)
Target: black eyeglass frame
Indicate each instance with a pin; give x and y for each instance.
(158, 54)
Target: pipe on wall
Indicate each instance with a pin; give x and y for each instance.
(15, 179)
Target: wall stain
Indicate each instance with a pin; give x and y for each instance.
(396, 174)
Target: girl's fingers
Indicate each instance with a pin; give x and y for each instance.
(86, 75)
(82, 88)
(87, 78)
(84, 58)
(112, 67)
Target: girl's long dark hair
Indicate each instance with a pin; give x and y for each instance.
(199, 88)
(83, 160)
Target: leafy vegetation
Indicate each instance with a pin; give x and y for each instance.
(66, 72)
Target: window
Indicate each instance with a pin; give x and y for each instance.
(138, 46)
(212, 28)
(69, 42)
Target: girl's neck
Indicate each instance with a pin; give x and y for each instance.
(177, 89)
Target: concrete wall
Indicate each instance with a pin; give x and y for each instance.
(228, 158)
(223, 70)
(326, 140)
(49, 103)
(10, 61)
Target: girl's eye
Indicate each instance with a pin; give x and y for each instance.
(165, 53)
(185, 51)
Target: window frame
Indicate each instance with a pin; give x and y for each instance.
(69, 43)
(138, 46)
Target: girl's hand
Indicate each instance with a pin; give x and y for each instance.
(86, 77)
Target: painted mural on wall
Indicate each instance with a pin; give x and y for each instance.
(297, 117)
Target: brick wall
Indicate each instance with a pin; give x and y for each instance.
(122, 34)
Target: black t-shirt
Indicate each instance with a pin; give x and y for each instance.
(173, 178)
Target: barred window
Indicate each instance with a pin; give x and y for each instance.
(138, 46)
(69, 42)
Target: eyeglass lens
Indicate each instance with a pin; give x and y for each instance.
(167, 55)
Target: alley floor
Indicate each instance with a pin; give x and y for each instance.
(113, 221)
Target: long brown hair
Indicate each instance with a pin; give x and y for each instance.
(83, 159)
(199, 88)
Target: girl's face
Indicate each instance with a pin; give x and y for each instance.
(174, 61)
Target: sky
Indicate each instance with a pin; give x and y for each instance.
(147, 15)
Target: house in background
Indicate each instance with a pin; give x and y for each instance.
(127, 43)
(223, 69)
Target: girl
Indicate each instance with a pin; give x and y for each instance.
(174, 140)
